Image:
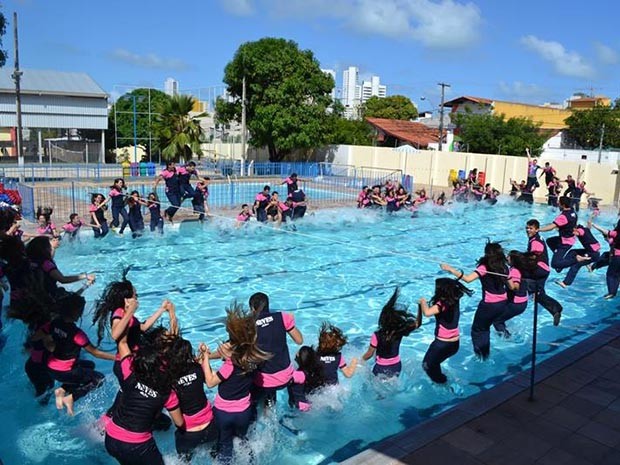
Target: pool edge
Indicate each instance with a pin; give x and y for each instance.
(390, 450)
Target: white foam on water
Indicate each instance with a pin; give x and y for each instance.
(38, 442)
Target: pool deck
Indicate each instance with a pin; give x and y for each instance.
(574, 418)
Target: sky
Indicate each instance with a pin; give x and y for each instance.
(531, 51)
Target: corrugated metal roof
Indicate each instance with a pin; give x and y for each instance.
(36, 81)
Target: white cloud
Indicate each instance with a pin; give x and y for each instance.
(605, 54)
(149, 60)
(518, 90)
(437, 24)
(564, 62)
(238, 7)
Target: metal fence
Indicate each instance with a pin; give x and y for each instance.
(324, 185)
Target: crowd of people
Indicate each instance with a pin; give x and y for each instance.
(158, 369)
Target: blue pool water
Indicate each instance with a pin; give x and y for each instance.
(341, 265)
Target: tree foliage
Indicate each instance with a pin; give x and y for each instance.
(392, 107)
(495, 134)
(148, 103)
(3, 53)
(179, 134)
(287, 96)
(585, 127)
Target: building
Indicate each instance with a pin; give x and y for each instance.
(548, 117)
(584, 102)
(64, 106)
(394, 133)
(171, 87)
(373, 88)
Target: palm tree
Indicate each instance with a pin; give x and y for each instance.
(179, 133)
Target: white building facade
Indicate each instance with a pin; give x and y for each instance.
(354, 94)
(171, 87)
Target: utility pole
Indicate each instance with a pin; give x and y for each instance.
(443, 89)
(600, 144)
(243, 128)
(17, 74)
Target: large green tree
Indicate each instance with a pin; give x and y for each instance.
(587, 127)
(179, 133)
(3, 53)
(287, 96)
(392, 107)
(148, 103)
(495, 134)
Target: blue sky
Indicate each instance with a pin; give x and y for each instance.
(531, 51)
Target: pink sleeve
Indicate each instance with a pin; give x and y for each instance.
(81, 338)
(537, 247)
(240, 218)
(225, 370)
(373, 340)
(118, 314)
(172, 402)
(515, 275)
(114, 193)
(299, 377)
(166, 174)
(481, 270)
(92, 208)
(561, 220)
(288, 320)
(48, 265)
(126, 368)
(343, 362)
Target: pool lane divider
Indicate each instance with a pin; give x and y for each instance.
(395, 449)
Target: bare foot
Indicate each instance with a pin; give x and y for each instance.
(561, 284)
(582, 258)
(59, 394)
(68, 402)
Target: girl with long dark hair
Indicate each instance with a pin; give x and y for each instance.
(492, 271)
(116, 197)
(445, 307)
(394, 324)
(97, 210)
(307, 378)
(233, 408)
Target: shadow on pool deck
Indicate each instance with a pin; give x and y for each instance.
(574, 418)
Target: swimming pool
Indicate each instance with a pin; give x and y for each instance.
(340, 265)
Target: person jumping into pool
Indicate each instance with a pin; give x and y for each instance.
(78, 377)
(233, 409)
(188, 384)
(520, 265)
(145, 382)
(184, 174)
(307, 378)
(97, 215)
(116, 198)
(591, 248)
(532, 168)
(445, 307)
(536, 282)
(272, 329)
(292, 188)
(199, 200)
(260, 204)
(156, 222)
(492, 271)
(173, 189)
(244, 216)
(395, 322)
(613, 270)
(136, 220)
(331, 342)
(548, 172)
(560, 245)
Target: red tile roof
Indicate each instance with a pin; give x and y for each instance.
(416, 134)
(468, 98)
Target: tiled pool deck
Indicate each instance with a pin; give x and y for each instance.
(574, 418)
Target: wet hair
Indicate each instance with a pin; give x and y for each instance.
(116, 181)
(154, 195)
(564, 202)
(494, 260)
(241, 328)
(526, 263)
(331, 339)
(181, 357)
(113, 297)
(266, 188)
(151, 362)
(259, 302)
(449, 291)
(70, 305)
(73, 216)
(308, 361)
(533, 222)
(245, 205)
(394, 320)
(293, 175)
(39, 249)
